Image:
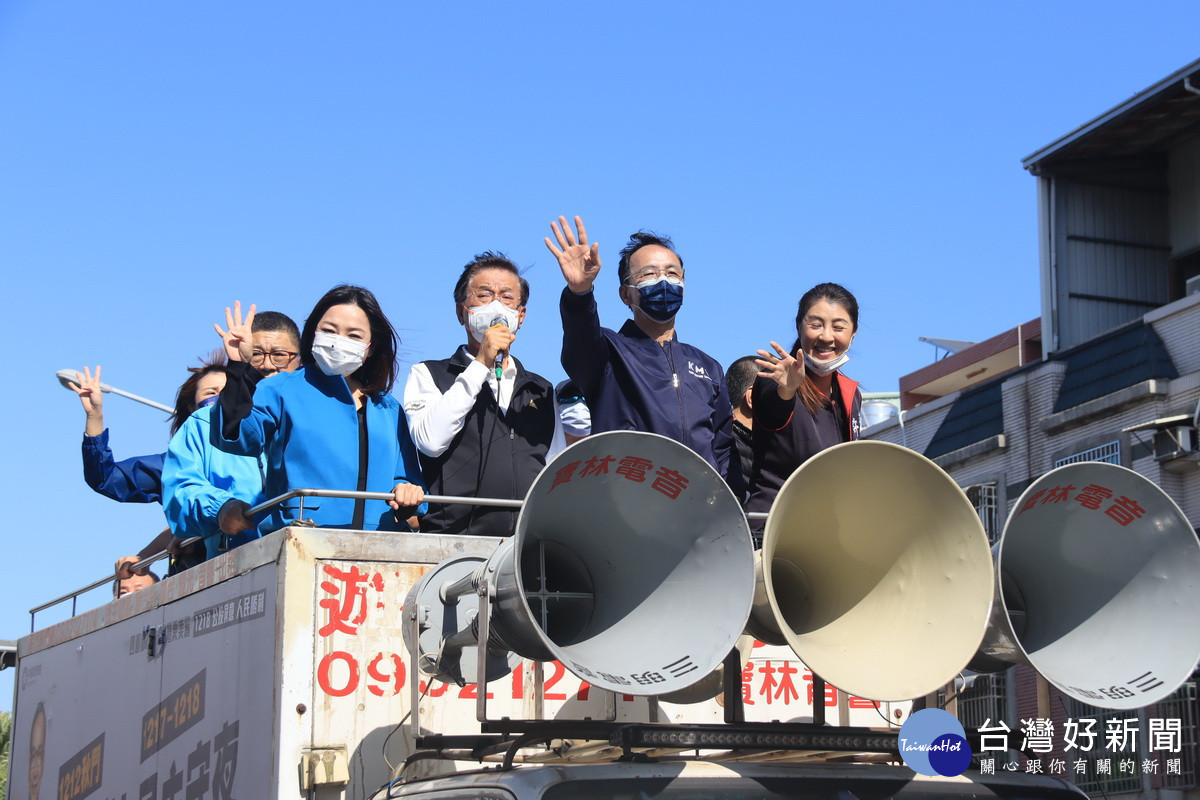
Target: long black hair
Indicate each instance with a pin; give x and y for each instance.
(377, 375)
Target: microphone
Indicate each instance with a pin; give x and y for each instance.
(499, 321)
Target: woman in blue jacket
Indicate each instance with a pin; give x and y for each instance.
(331, 424)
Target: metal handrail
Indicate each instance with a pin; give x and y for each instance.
(440, 499)
(263, 506)
(274, 501)
(96, 584)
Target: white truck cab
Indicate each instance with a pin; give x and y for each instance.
(694, 780)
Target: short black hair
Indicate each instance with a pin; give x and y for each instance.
(117, 583)
(267, 321)
(740, 377)
(488, 259)
(637, 241)
(567, 392)
(377, 375)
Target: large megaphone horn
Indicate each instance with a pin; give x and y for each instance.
(1097, 574)
(875, 570)
(632, 564)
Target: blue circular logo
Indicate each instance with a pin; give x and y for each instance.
(933, 742)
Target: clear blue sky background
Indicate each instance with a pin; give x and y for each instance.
(159, 160)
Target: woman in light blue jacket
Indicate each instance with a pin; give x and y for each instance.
(331, 424)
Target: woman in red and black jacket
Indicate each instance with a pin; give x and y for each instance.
(802, 402)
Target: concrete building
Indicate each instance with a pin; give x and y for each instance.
(1110, 372)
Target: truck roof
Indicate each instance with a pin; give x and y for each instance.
(685, 780)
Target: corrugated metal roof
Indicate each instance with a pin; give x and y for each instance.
(1150, 122)
(1122, 357)
(977, 414)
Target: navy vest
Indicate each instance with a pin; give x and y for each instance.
(494, 455)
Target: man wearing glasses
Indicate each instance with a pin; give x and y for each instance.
(200, 481)
(276, 343)
(642, 377)
(484, 426)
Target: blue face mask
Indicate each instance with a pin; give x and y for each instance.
(660, 298)
(208, 401)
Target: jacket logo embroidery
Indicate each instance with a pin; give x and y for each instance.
(697, 371)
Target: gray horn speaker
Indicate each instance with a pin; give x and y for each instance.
(632, 565)
(1097, 574)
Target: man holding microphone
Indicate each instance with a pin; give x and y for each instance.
(484, 426)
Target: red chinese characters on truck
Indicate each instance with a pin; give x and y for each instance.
(349, 597)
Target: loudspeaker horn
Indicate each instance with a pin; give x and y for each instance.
(877, 571)
(1097, 576)
(632, 564)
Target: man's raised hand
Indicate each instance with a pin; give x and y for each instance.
(579, 262)
(238, 339)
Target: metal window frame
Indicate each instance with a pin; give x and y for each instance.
(1091, 782)
(1182, 705)
(1110, 452)
(986, 699)
(991, 504)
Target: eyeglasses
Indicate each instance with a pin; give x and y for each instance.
(279, 358)
(485, 296)
(653, 273)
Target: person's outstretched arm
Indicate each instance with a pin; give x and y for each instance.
(584, 350)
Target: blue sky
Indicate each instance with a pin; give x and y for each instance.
(160, 160)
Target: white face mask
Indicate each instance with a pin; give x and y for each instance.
(337, 355)
(825, 367)
(480, 318)
(576, 418)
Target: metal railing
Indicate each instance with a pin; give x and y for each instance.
(146, 561)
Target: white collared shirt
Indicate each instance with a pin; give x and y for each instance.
(434, 418)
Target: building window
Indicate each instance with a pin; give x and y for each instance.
(986, 499)
(1181, 706)
(1109, 452)
(982, 703)
(1099, 778)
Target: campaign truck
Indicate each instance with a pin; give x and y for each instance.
(626, 641)
(279, 670)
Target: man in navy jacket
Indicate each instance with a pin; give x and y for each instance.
(642, 377)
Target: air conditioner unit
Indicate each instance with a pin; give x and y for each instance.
(1174, 442)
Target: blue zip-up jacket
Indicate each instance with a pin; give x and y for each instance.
(306, 424)
(631, 382)
(199, 477)
(132, 480)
